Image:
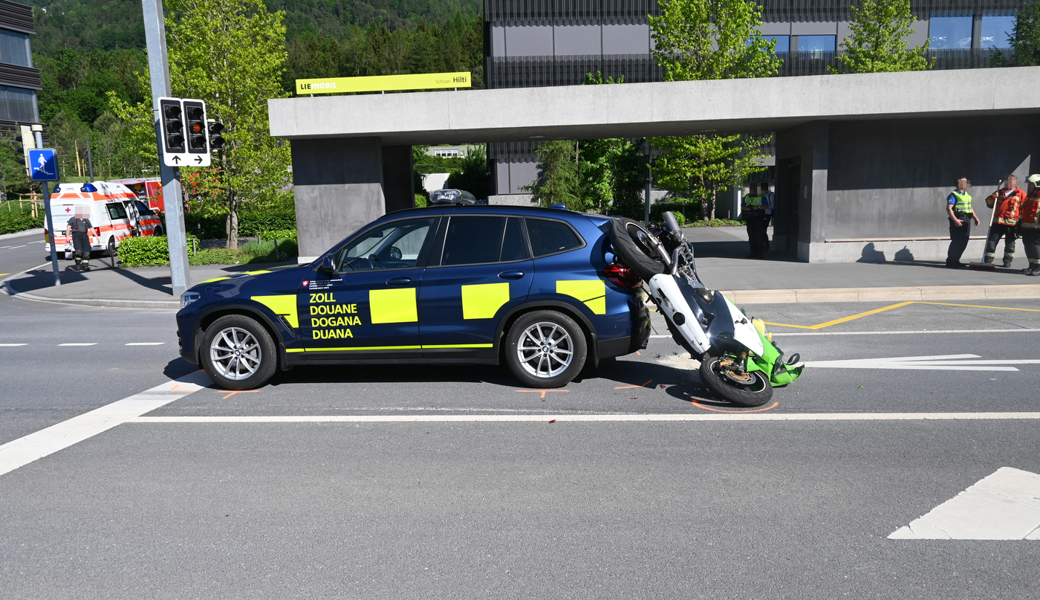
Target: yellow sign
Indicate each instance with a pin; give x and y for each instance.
(383, 83)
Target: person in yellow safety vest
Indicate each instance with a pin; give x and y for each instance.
(1030, 213)
(753, 205)
(1005, 203)
(958, 208)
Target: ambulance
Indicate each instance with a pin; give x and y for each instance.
(113, 209)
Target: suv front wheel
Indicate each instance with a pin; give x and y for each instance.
(238, 353)
(545, 349)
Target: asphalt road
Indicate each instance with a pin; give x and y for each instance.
(436, 482)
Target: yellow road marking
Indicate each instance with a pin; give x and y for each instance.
(894, 306)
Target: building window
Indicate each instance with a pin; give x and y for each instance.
(995, 31)
(14, 48)
(783, 42)
(446, 153)
(950, 32)
(817, 44)
(18, 104)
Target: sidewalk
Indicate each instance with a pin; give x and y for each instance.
(720, 263)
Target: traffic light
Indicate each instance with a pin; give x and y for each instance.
(216, 140)
(172, 115)
(195, 123)
(26, 142)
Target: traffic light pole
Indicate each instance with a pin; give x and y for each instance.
(173, 200)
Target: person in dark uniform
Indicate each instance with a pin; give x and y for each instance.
(78, 228)
(961, 214)
(753, 205)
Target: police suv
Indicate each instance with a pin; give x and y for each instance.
(453, 283)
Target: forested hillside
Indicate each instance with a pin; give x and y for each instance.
(91, 54)
(115, 24)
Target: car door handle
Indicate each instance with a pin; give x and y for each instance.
(511, 275)
(399, 281)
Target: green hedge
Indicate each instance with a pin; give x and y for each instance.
(14, 218)
(212, 227)
(148, 251)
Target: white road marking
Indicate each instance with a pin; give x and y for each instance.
(597, 418)
(47, 441)
(146, 343)
(944, 362)
(10, 345)
(929, 332)
(811, 333)
(79, 344)
(1001, 506)
(22, 246)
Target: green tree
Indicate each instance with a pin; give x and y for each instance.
(709, 39)
(877, 43)
(558, 181)
(1024, 39)
(231, 54)
(612, 170)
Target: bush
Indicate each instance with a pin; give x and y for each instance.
(250, 223)
(688, 210)
(15, 218)
(150, 251)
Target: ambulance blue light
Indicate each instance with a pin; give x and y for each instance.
(88, 187)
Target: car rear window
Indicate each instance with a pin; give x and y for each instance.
(551, 237)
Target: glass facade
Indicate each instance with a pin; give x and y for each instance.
(816, 43)
(783, 42)
(14, 48)
(950, 32)
(995, 31)
(18, 104)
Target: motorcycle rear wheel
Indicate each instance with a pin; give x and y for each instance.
(757, 392)
(637, 248)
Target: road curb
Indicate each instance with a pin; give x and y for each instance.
(894, 294)
(105, 302)
(21, 233)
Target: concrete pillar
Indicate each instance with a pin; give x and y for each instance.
(338, 185)
(398, 185)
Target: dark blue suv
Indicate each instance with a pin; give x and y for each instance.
(536, 288)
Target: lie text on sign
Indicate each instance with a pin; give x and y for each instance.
(383, 83)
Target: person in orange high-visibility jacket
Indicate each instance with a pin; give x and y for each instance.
(1030, 215)
(1005, 202)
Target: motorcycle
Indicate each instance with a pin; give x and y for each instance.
(739, 360)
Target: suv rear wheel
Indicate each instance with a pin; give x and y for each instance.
(238, 353)
(545, 349)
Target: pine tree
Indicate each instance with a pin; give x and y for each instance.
(1025, 39)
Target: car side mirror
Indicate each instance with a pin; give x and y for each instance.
(328, 266)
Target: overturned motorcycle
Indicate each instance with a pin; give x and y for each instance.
(739, 360)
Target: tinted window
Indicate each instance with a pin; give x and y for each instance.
(116, 211)
(550, 237)
(950, 31)
(996, 29)
(513, 245)
(393, 246)
(473, 240)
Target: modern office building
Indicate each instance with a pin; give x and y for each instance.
(19, 80)
(533, 43)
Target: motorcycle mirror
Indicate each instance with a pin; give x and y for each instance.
(669, 220)
(794, 358)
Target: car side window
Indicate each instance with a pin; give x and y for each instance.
(473, 240)
(143, 209)
(551, 237)
(513, 245)
(116, 211)
(395, 245)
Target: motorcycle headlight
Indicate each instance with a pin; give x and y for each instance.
(188, 298)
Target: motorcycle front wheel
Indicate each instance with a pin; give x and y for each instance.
(748, 389)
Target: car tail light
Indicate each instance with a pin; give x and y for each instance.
(622, 276)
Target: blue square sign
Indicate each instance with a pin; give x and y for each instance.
(43, 164)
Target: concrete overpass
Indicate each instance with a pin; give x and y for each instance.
(864, 162)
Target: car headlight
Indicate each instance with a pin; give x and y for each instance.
(189, 297)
